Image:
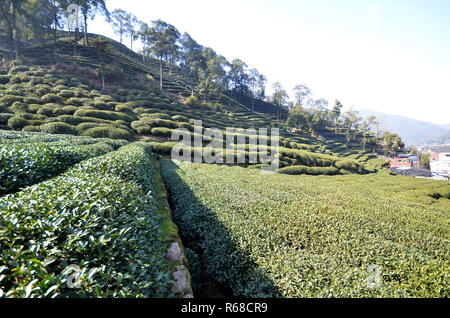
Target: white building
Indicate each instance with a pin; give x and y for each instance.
(442, 164)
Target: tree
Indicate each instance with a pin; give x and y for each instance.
(261, 82)
(119, 22)
(392, 144)
(350, 119)
(301, 92)
(365, 129)
(238, 77)
(56, 9)
(130, 28)
(10, 10)
(253, 77)
(100, 46)
(89, 8)
(192, 60)
(298, 117)
(425, 160)
(163, 39)
(374, 123)
(144, 35)
(280, 96)
(336, 113)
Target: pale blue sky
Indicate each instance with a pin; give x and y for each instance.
(392, 56)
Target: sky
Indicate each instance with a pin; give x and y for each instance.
(391, 56)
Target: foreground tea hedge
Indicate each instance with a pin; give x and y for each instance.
(29, 160)
(313, 236)
(100, 216)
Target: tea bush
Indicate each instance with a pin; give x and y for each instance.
(99, 215)
(108, 132)
(26, 164)
(17, 123)
(312, 236)
(58, 128)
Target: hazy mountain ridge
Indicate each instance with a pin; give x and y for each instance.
(412, 131)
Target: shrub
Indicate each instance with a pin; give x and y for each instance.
(162, 132)
(297, 170)
(18, 69)
(32, 100)
(152, 122)
(81, 128)
(36, 80)
(108, 132)
(46, 110)
(76, 101)
(123, 108)
(187, 126)
(66, 93)
(4, 117)
(17, 123)
(58, 128)
(158, 116)
(4, 79)
(103, 114)
(180, 118)
(68, 110)
(8, 100)
(136, 124)
(19, 108)
(194, 266)
(106, 98)
(51, 98)
(107, 197)
(144, 130)
(164, 148)
(31, 129)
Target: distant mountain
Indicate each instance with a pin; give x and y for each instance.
(445, 126)
(412, 131)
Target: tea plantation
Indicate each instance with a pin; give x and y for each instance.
(313, 236)
(80, 184)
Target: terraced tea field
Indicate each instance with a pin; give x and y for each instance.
(85, 204)
(313, 236)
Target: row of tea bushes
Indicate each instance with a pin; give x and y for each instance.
(99, 217)
(23, 165)
(308, 236)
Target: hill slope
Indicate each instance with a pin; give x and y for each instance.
(412, 131)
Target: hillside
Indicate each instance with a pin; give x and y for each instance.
(63, 94)
(412, 131)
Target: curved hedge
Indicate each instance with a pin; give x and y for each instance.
(58, 128)
(314, 171)
(108, 132)
(26, 164)
(104, 114)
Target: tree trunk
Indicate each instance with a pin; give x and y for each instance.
(160, 74)
(75, 42)
(14, 29)
(86, 37)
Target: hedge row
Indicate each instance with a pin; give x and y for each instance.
(281, 236)
(314, 171)
(23, 165)
(100, 216)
